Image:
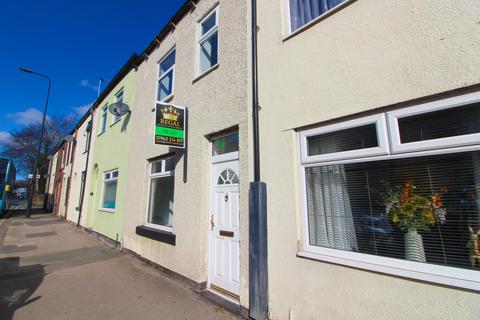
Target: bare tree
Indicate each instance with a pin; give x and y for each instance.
(23, 144)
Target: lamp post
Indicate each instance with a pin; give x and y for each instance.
(34, 178)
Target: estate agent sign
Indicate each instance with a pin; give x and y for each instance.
(170, 125)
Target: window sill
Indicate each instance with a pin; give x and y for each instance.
(156, 234)
(318, 19)
(443, 275)
(166, 99)
(106, 210)
(115, 122)
(205, 73)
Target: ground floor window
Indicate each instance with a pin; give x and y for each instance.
(371, 190)
(110, 189)
(419, 209)
(161, 193)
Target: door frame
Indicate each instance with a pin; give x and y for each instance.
(227, 157)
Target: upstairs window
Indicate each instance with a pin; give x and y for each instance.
(88, 136)
(208, 42)
(304, 11)
(118, 98)
(166, 76)
(103, 119)
(88, 133)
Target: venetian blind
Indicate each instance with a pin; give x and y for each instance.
(420, 208)
(440, 124)
(360, 137)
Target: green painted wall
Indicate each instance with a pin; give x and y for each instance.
(110, 152)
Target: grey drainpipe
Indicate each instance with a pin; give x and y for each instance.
(258, 257)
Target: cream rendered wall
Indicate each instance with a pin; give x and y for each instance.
(368, 55)
(80, 158)
(216, 102)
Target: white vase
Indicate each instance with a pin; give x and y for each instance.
(414, 246)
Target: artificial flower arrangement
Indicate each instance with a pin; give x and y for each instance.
(412, 211)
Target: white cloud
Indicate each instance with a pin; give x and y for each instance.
(81, 110)
(25, 118)
(4, 137)
(85, 83)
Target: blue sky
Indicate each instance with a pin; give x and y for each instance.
(75, 43)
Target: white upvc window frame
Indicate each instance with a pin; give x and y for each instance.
(103, 119)
(288, 16)
(451, 276)
(162, 174)
(448, 142)
(203, 38)
(382, 134)
(105, 180)
(163, 75)
(119, 96)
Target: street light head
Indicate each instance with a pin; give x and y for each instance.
(25, 70)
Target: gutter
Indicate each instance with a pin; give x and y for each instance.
(188, 5)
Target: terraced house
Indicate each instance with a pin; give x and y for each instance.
(187, 208)
(84, 143)
(109, 157)
(375, 107)
(368, 116)
(61, 176)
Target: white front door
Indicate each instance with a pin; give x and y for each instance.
(224, 244)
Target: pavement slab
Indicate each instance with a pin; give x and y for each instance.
(51, 270)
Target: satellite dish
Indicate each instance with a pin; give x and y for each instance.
(119, 109)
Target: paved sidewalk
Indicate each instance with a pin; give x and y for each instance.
(50, 270)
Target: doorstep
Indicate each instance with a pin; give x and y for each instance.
(226, 304)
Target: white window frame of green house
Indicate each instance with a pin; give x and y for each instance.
(321, 16)
(392, 149)
(202, 38)
(108, 177)
(118, 98)
(170, 72)
(158, 175)
(103, 119)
